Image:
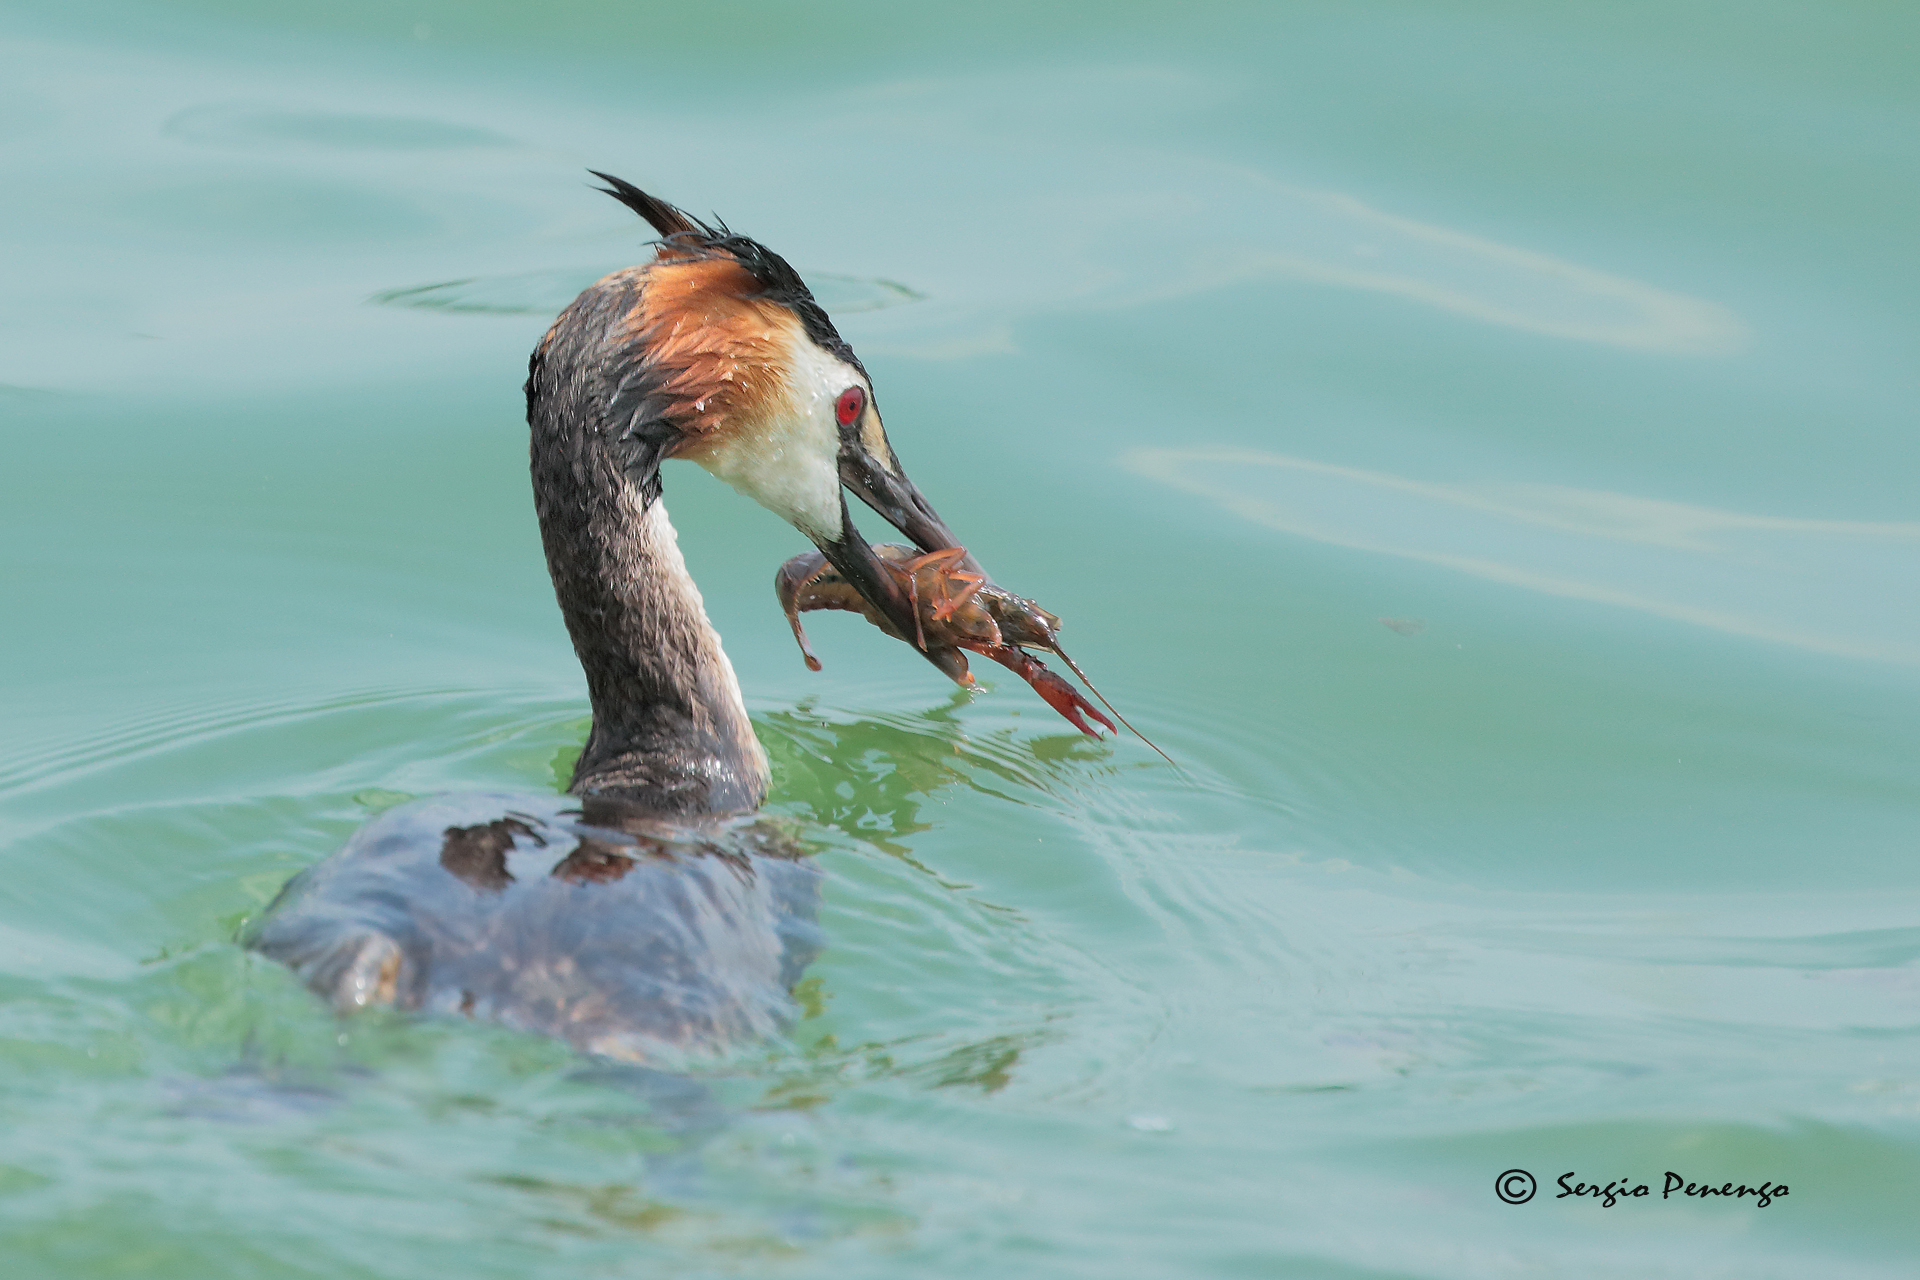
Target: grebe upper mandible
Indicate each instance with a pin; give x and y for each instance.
(648, 913)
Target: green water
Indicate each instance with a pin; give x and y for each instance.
(1476, 440)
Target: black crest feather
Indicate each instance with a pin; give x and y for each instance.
(779, 282)
(660, 215)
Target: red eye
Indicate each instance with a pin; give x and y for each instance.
(851, 402)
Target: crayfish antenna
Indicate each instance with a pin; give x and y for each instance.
(1109, 706)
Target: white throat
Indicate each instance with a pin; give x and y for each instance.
(789, 461)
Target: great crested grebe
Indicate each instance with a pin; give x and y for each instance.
(648, 914)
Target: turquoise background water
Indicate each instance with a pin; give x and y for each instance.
(1476, 440)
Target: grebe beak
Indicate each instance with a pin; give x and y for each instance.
(898, 500)
(871, 473)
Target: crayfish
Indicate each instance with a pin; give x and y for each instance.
(955, 609)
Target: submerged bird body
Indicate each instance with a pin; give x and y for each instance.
(628, 934)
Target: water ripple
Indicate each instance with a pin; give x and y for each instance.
(546, 292)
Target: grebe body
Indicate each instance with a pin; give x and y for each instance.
(647, 914)
(630, 934)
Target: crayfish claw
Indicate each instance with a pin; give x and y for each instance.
(954, 608)
(1052, 688)
(1066, 699)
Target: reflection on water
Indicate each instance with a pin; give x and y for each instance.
(546, 293)
(1839, 587)
(1335, 239)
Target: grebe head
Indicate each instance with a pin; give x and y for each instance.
(727, 360)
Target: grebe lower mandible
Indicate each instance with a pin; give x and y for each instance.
(648, 914)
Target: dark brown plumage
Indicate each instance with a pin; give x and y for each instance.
(668, 727)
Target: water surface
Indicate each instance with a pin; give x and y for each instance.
(1477, 443)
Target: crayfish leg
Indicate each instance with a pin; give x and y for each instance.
(970, 584)
(939, 559)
